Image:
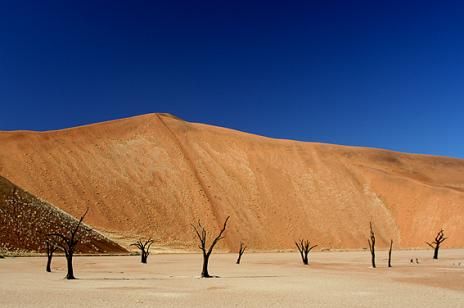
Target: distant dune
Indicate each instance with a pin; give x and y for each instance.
(156, 174)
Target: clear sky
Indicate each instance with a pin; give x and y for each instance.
(386, 74)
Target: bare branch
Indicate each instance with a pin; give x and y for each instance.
(439, 238)
(144, 247)
(304, 247)
(74, 232)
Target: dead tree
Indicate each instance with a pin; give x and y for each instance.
(241, 250)
(304, 247)
(371, 242)
(68, 242)
(390, 254)
(440, 238)
(51, 248)
(200, 231)
(144, 247)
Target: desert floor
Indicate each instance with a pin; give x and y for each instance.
(262, 280)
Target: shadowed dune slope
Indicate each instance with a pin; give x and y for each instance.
(156, 174)
(25, 222)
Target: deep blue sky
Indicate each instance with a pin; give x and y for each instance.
(371, 73)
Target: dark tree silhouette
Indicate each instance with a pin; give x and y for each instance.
(304, 247)
(371, 242)
(200, 231)
(390, 254)
(241, 250)
(440, 238)
(68, 242)
(51, 247)
(144, 247)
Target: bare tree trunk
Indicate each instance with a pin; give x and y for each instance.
(390, 254)
(302, 257)
(238, 259)
(70, 274)
(373, 259)
(204, 272)
(371, 242)
(435, 252)
(305, 259)
(144, 257)
(51, 248)
(241, 250)
(49, 263)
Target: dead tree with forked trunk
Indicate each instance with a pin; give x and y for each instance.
(144, 247)
(241, 250)
(68, 242)
(51, 247)
(440, 238)
(390, 254)
(371, 243)
(304, 247)
(201, 233)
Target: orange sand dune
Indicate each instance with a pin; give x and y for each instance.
(26, 221)
(156, 174)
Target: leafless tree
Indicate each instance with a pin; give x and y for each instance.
(390, 254)
(304, 247)
(371, 242)
(201, 232)
(51, 247)
(440, 238)
(68, 242)
(241, 250)
(144, 247)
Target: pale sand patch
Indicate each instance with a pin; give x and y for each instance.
(263, 280)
